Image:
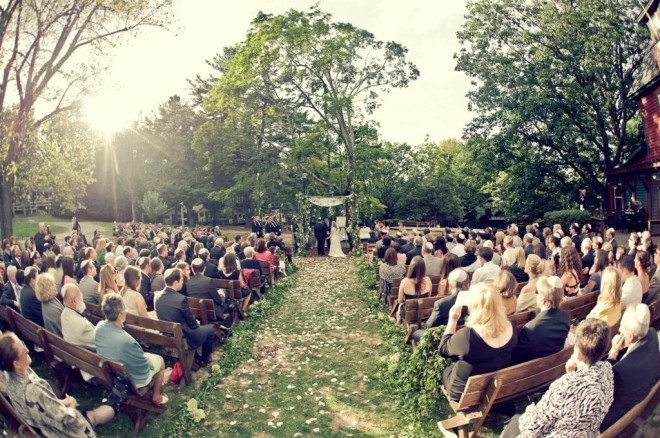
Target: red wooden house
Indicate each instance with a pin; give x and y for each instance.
(639, 176)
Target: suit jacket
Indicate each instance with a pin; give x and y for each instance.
(218, 252)
(271, 227)
(381, 251)
(201, 286)
(433, 264)
(257, 228)
(167, 263)
(250, 264)
(405, 248)
(77, 329)
(89, 289)
(634, 376)
(542, 336)
(211, 270)
(173, 307)
(417, 251)
(145, 290)
(30, 306)
(654, 287)
(440, 314)
(320, 231)
(8, 296)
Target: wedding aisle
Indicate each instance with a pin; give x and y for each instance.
(313, 367)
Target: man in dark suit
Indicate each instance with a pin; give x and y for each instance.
(545, 334)
(210, 269)
(10, 291)
(173, 307)
(257, 227)
(320, 232)
(458, 281)
(30, 306)
(387, 241)
(408, 246)
(270, 226)
(200, 286)
(416, 251)
(635, 356)
(144, 263)
(218, 251)
(575, 236)
(161, 249)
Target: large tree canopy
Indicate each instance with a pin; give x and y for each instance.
(301, 87)
(551, 83)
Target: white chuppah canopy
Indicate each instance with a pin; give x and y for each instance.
(327, 201)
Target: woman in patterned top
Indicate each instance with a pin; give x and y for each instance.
(576, 403)
(36, 403)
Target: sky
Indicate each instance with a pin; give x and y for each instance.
(144, 71)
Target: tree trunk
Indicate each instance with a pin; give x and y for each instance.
(133, 215)
(6, 205)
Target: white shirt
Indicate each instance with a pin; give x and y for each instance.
(489, 273)
(631, 293)
(459, 250)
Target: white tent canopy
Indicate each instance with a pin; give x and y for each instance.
(327, 201)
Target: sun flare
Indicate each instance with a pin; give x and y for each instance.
(107, 112)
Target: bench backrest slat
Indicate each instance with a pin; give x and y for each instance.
(579, 307)
(516, 380)
(26, 329)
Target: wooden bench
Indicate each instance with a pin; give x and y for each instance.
(520, 287)
(25, 329)
(483, 391)
(266, 272)
(654, 309)
(632, 418)
(152, 333)
(63, 355)
(521, 318)
(233, 291)
(580, 306)
(417, 312)
(202, 309)
(5, 318)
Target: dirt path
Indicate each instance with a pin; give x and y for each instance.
(313, 368)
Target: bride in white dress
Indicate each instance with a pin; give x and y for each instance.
(335, 242)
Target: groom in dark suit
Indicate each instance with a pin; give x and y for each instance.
(320, 232)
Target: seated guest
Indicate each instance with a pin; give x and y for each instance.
(458, 281)
(114, 343)
(416, 251)
(133, 300)
(588, 256)
(641, 267)
(157, 279)
(635, 356)
(76, 329)
(274, 240)
(107, 281)
(10, 290)
(608, 306)
(387, 241)
(534, 268)
(631, 292)
(238, 248)
(570, 268)
(517, 268)
(576, 403)
(29, 304)
(88, 286)
(249, 265)
(211, 270)
(488, 272)
(390, 269)
(433, 264)
(469, 261)
(654, 284)
(218, 251)
(450, 262)
(415, 283)
(172, 306)
(596, 272)
(231, 270)
(51, 308)
(506, 286)
(547, 332)
(144, 263)
(262, 254)
(35, 402)
(201, 286)
(483, 345)
(185, 272)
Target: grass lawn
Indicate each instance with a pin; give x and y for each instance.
(26, 226)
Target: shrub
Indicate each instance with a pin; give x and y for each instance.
(566, 218)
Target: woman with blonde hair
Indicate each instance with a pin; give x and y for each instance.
(107, 281)
(499, 242)
(483, 345)
(507, 256)
(507, 285)
(518, 266)
(51, 308)
(534, 267)
(608, 307)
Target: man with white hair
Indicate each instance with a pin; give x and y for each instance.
(587, 255)
(433, 264)
(76, 329)
(609, 238)
(218, 251)
(635, 356)
(11, 290)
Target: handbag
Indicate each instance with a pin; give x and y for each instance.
(177, 374)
